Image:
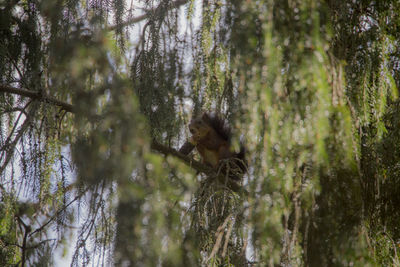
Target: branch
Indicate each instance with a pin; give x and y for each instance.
(39, 229)
(198, 166)
(155, 145)
(137, 19)
(219, 234)
(8, 148)
(27, 229)
(37, 96)
(186, 159)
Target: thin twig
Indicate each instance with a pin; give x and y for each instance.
(27, 230)
(58, 213)
(9, 149)
(147, 15)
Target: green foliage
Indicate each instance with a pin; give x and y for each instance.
(9, 254)
(312, 86)
(308, 124)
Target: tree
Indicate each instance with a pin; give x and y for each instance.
(95, 103)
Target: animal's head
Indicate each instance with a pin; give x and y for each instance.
(198, 127)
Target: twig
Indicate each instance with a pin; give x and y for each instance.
(188, 160)
(198, 166)
(37, 96)
(227, 237)
(219, 234)
(58, 213)
(27, 230)
(9, 149)
(11, 110)
(145, 16)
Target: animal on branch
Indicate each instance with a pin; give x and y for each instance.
(211, 135)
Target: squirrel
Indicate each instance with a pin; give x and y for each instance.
(211, 136)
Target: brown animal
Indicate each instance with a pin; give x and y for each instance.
(211, 136)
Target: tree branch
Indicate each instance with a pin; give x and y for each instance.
(137, 19)
(154, 145)
(40, 228)
(223, 179)
(37, 96)
(27, 230)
